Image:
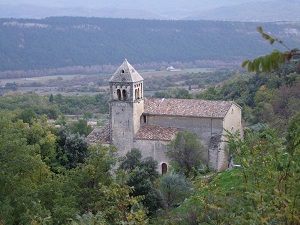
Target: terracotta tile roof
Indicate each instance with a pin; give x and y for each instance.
(147, 132)
(186, 107)
(99, 135)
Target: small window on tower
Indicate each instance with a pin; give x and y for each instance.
(123, 71)
(124, 95)
(119, 94)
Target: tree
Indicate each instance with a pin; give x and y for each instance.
(182, 93)
(28, 115)
(293, 134)
(72, 148)
(75, 149)
(51, 98)
(211, 93)
(121, 207)
(81, 127)
(186, 151)
(131, 160)
(23, 172)
(142, 175)
(89, 177)
(174, 189)
(87, 115)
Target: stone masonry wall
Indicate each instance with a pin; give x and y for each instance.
(205, 128)
(153, 148)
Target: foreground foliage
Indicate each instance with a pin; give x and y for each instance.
(46, 182)
(264, 190)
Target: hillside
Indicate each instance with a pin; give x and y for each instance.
(77, 41)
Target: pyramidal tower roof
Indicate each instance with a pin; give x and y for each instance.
(126, 73)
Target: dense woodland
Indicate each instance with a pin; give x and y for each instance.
(50, 175)
(93, 44)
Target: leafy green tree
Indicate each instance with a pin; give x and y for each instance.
(51, 98)
(81, 126)
(103, 192)
(174, 189)
(87, 115)
(142, 175)
(89, 177)
(44, 139)
(71, 148)
(211, 93)
(28, 115)
(59, 196)
(75, 149)
(22, 174)
(52, 113)
(121, 207)
(183, 93)
(186, 152)
(131, 160)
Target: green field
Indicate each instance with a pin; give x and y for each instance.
(35, 79)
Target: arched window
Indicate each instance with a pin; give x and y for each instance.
(124, 95)
(164, 168)
(135, 94)
(119, 94)
(138, 91)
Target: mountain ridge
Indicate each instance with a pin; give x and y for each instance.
(233, 10)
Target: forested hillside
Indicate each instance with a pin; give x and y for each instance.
(77, 41)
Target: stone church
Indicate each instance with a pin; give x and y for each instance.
(149, 124)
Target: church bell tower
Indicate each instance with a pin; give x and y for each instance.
(126, 106)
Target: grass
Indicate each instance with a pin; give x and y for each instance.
(228, 179)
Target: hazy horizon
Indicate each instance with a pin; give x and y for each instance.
(236, 10)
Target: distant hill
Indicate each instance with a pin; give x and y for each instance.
(77, 41)
(229, 10)
(253, 11)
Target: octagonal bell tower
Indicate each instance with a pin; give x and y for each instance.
(126, 106)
